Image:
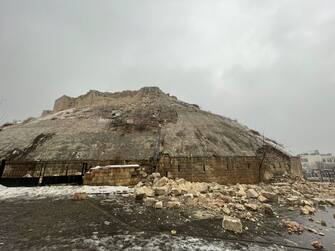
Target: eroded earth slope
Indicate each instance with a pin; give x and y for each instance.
(126, 125)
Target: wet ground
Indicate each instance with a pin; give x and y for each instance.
(116, 222)
(324, 233)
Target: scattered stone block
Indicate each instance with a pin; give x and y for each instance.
(317, 245)
(161, 182)
(251, 193)
(225, 210)
(143, 192)
(180, 181)
(307, 210)
(202, 188)
(232, 224)
(241, 193)
(161, 190)
(80, 196)
(176, 191)
(149, 202)
(307, 203)
(188, 198)
(293, 200)
(188, 195)
(239, 206)
(156, 175)
(251, 206)
(323, 223)
(173, 204)
(159, 205)
(202, 215)
(272, 197)
(262, 199)
(267, 209)
(312, 230)
(331, 202)
(293, 227)
(226, 199)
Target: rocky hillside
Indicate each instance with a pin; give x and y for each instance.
(126, 125)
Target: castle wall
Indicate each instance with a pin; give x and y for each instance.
(63, 103)
(296, 167)
(114, 176)
(95, 98)
(275, 163)
(223, 170)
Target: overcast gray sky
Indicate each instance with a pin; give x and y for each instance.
(267, 63)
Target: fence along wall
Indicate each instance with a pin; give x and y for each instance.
(33, 173)
(17, 169)
(30, 173)
(224, 170)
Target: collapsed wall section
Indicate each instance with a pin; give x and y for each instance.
(275, 163)
(296, 167)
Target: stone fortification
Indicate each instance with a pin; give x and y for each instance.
(143, 125)
(106, 99)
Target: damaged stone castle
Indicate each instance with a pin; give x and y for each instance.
(145, 127)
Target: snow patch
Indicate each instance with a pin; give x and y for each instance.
(57, 191)
(140, 241)
(114, 166)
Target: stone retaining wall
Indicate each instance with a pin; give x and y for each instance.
(265, 166)
(114, 175)
(223, 170)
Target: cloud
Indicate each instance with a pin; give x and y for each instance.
(268, 64)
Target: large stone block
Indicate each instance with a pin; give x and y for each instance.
(232, 224)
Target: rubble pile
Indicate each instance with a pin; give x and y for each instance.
(317, 245)
(293, 227)
(246, 202)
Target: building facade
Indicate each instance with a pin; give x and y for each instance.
(318, 165)
(310, 160)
